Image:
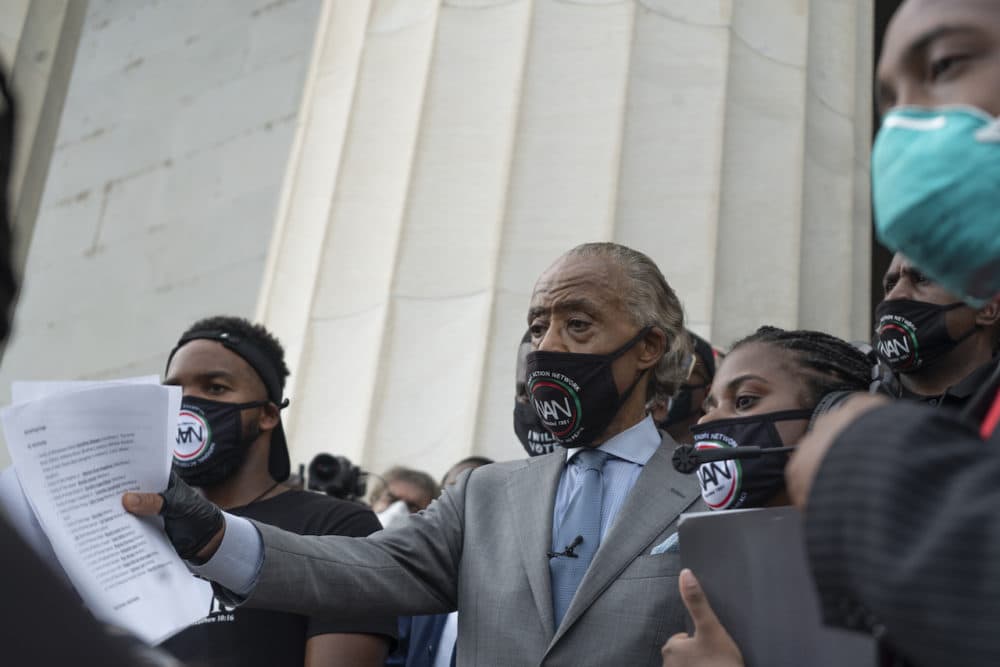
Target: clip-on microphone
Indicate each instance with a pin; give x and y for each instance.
(687, 459)
(568, 551)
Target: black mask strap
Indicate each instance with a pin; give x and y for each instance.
(622, 350)
(631, 343)
(777, 416)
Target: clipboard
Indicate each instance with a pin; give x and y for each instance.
(752, 566)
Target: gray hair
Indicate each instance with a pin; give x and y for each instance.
(418, 478)
(650, 301)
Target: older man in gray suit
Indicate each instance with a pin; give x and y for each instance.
(564, 559)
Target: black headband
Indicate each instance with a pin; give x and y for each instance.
(246, 349)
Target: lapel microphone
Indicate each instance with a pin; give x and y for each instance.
(568, 552)
(686, 458)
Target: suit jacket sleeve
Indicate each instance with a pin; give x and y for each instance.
(903, 535)
(409, 570)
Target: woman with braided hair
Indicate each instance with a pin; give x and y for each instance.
(764, 394)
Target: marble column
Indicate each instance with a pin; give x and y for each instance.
(448, 151)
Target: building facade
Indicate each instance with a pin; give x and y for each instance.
(381, 181)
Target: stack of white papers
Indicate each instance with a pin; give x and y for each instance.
(77, 447)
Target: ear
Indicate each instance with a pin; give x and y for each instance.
(651, 348)
(269, 417)
(989, 314)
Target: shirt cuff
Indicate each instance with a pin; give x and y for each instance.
(237, 562)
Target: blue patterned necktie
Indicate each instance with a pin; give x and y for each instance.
(581, 520)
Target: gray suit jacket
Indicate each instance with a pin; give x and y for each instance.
(481, 548)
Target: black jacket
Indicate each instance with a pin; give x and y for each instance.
(903, 534)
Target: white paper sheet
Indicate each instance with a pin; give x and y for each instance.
(21, 516)
(12, 499)
(22, 391)
(75, 454)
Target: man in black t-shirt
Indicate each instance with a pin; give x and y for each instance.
(231, 446)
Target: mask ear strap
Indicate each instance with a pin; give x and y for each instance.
(990, 133)
(628, 392)
(622, 350)
(249, 404)
(828, 403)
(689, 362)
(973, 329)
(259, 404)
(631, 342)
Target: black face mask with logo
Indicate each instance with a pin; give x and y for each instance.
(211, 444)
(530, 431)
(575, 395)
(742, 484)
(910, 335)
(681, 406)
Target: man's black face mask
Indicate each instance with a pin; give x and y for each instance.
(681, 406)
(211, 443)
(533, 435)
(911, 335)
(574, 395)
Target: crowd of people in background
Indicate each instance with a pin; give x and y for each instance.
(571, 556)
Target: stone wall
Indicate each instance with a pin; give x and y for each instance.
(381, 182)
(166, 175)
(476, 140)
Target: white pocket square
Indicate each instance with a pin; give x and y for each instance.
(670, 544)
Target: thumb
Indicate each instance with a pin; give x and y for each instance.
(705, 620)
(142, 504)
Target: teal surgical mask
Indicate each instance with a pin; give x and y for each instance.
(936, 193)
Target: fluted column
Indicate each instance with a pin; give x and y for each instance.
(456, 148)
(793, 241)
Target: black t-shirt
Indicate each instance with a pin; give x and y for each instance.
(970, 388)
(234, 637)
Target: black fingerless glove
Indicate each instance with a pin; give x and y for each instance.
(190, 521)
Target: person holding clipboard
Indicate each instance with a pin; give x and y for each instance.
(764, 394)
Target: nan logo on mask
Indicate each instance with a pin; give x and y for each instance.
(897, 342)
(556, 399)
(720, 480)
(193, 436)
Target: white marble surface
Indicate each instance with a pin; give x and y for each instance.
(12, 14)
(439, 156)
(160, 199)
(487, 137)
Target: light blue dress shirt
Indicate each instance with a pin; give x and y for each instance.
(237, 562)
(631, 450)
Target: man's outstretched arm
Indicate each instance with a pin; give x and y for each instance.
(409, 570)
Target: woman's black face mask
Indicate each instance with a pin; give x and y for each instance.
(743, 483)
(681, 406)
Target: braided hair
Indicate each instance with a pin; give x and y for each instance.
(828, 363)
